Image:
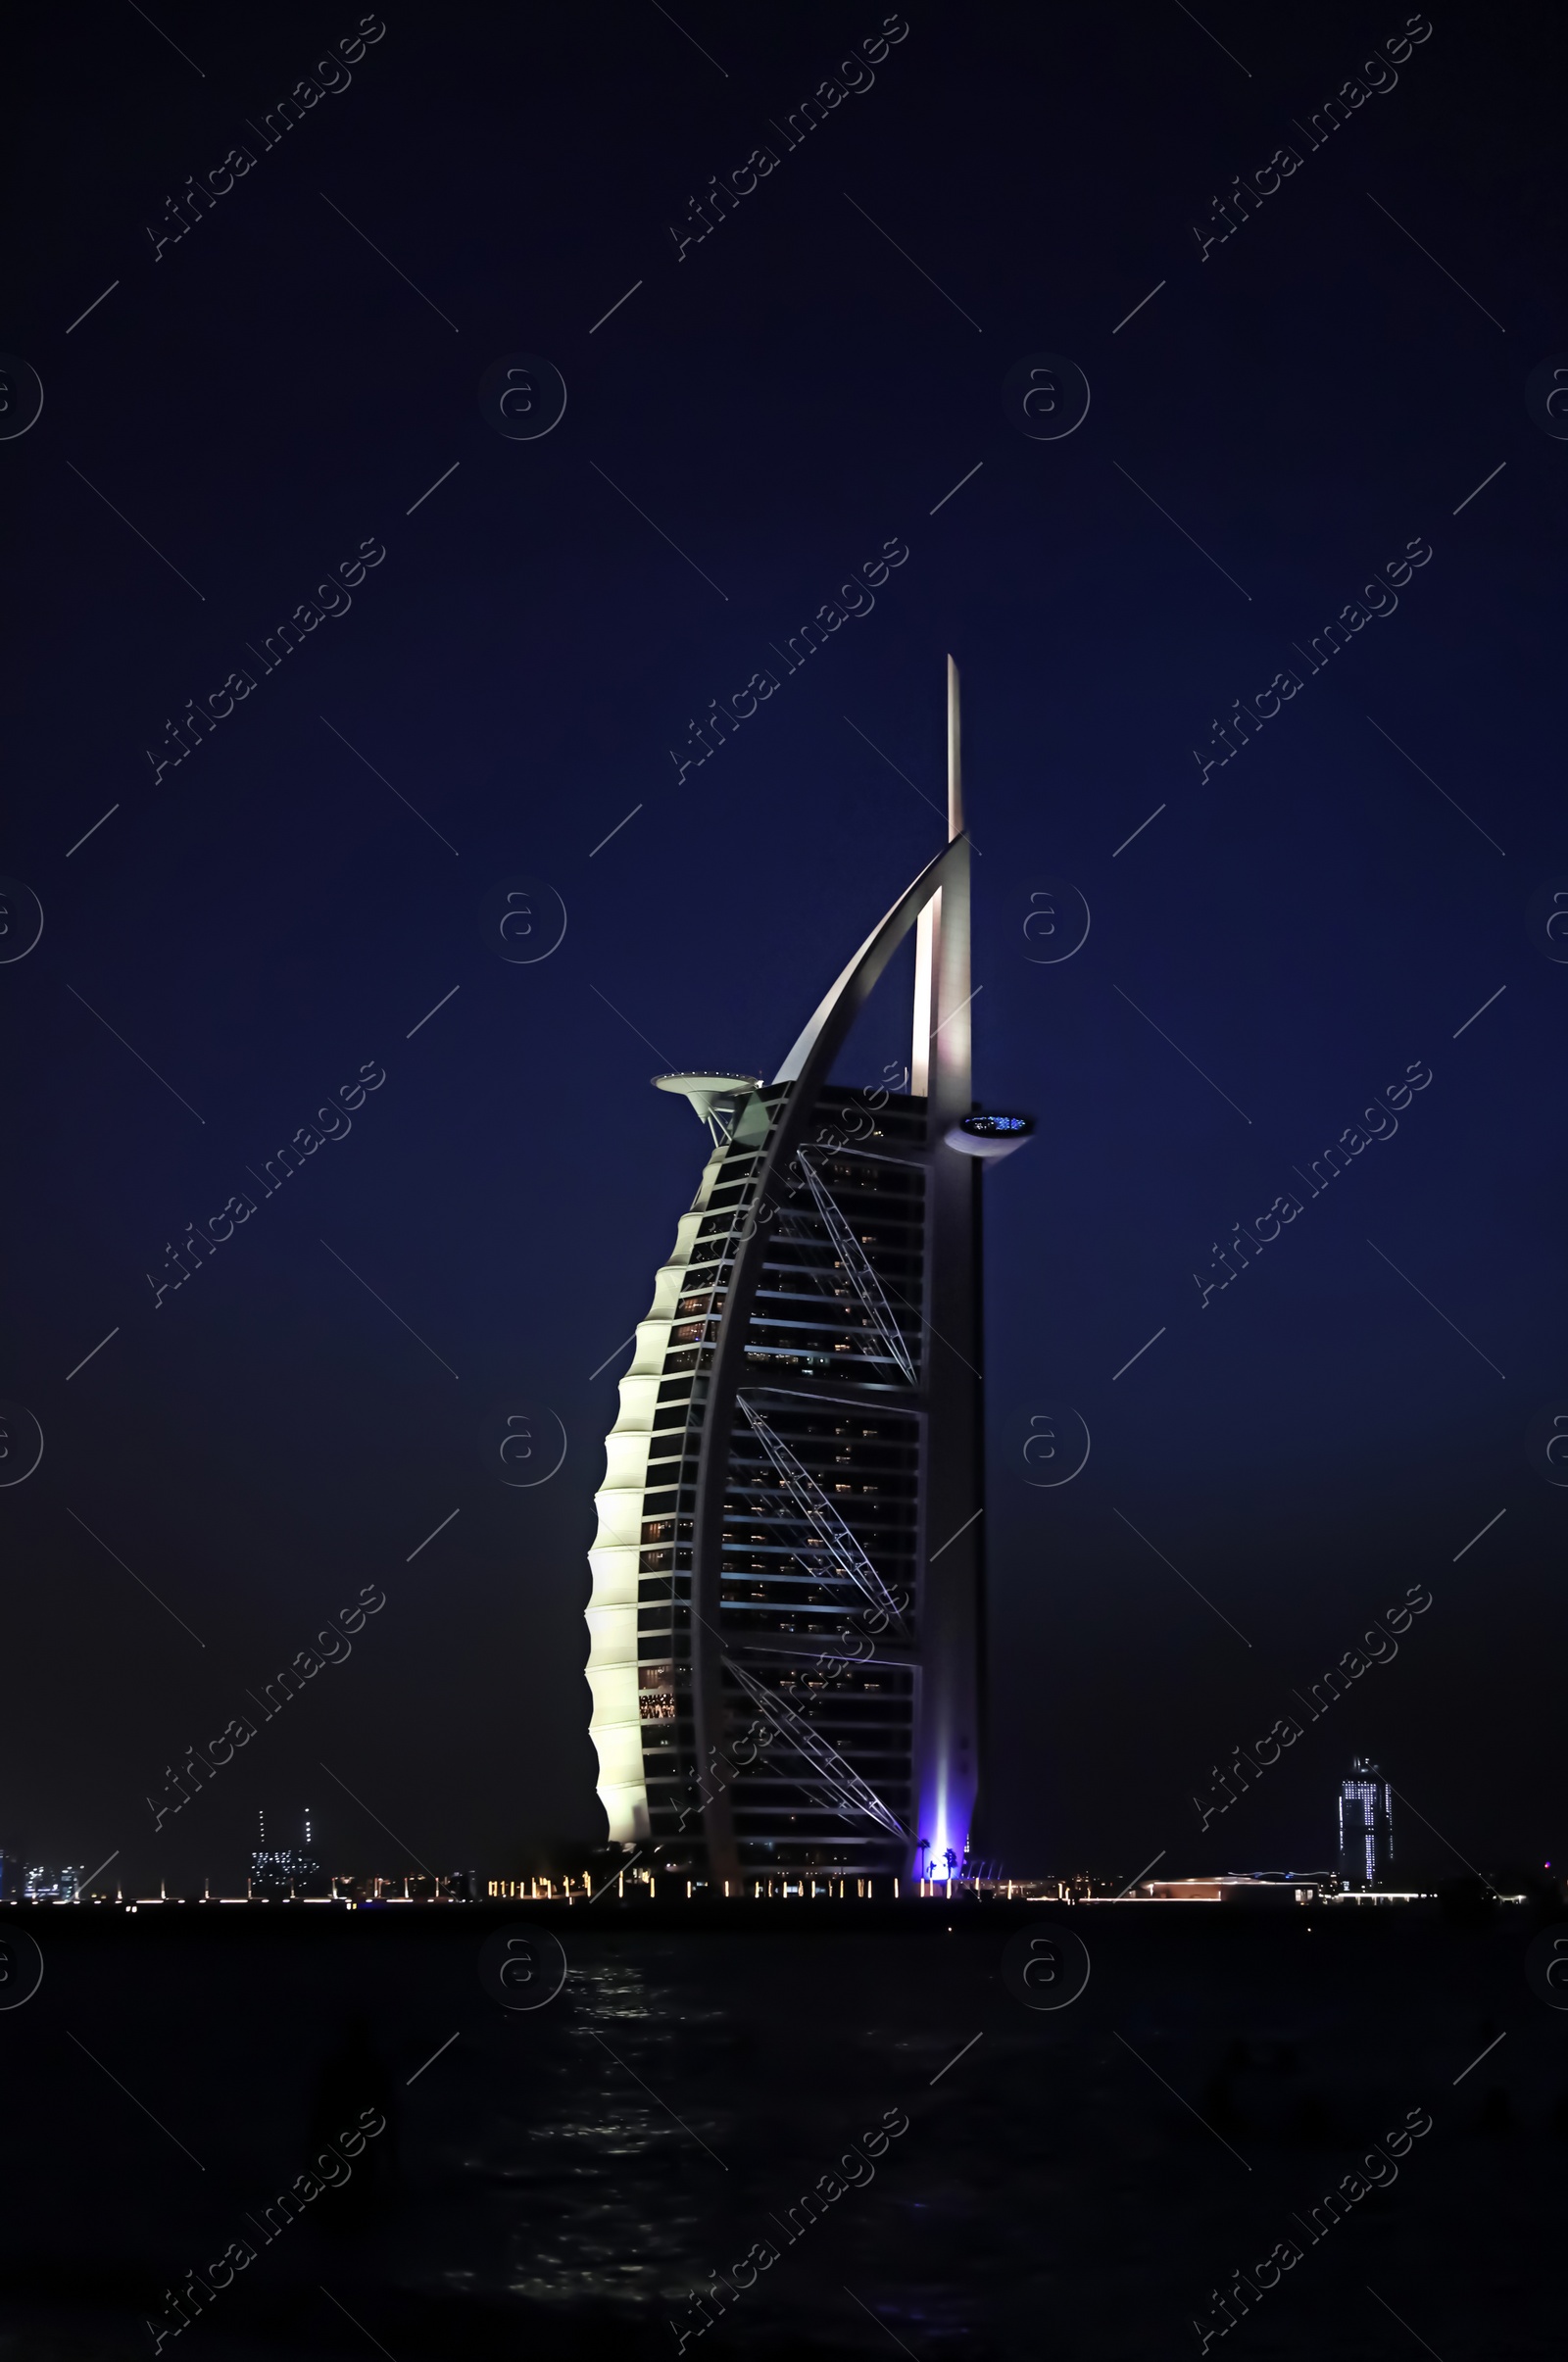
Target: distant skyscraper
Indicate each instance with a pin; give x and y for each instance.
(284, 1870)
(1366, 1825)
(42, 1884)
(787, 1579)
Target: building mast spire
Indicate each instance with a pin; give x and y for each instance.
(939, 1053)
(948, 1747)
(954, 758)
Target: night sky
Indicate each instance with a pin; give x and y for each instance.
(507, 646)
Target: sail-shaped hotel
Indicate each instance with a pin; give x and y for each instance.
(786, 1619)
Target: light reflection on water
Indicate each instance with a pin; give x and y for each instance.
(555, 2179)
(675, 2108)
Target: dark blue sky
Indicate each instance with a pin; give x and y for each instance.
(265, 400)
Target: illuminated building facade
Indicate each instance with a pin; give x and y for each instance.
(785, 1624)
(43, 1884)
(284, 1870)
(1366, 1825)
